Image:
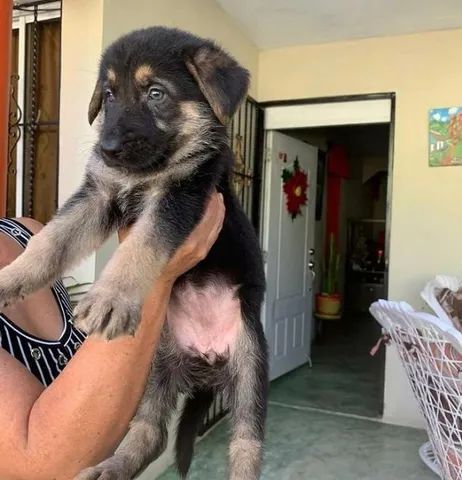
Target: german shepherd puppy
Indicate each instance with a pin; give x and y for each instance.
(164, 97)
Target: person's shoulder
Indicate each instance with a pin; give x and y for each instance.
(7, 252)
(33, 225)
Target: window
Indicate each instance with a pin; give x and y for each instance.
(34, 110)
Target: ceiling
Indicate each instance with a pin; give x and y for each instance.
(282, 23)
(363, 140)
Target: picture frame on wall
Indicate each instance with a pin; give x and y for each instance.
(445, 136)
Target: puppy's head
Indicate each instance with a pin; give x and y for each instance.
(164, 96)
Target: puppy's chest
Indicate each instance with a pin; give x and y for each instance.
(130, 201)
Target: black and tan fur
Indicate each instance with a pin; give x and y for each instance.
(163, 98)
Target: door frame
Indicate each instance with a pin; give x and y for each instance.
(391, 96)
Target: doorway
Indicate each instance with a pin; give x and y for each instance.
(337, 373)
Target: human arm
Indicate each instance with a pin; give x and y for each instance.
(79, 420)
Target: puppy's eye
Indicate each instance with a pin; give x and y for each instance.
(109, 95)
(156, 94)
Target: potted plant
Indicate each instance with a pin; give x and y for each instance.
(328, 302)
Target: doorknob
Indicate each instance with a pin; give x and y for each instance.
(311, 265)
(311, 251)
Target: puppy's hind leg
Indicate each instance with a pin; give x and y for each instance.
(145, 440)
(248, 406)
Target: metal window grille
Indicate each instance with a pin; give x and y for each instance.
(33, 131)
(246, 137)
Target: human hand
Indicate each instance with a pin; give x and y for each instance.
(199, 242)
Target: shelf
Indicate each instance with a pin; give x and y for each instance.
(365, 272)
(367, 220)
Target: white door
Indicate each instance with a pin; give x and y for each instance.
(287, 242)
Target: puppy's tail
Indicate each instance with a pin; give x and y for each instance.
(194, 411)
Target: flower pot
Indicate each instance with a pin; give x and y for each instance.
(328, 304)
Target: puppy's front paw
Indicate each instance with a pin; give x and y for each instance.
(110, 469)
(11, 287)
(107, 312)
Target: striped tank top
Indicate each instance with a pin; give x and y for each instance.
(45, 359)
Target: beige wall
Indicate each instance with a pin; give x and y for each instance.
(202, 17)
(81, 41)
(425, 225)
(79, 64)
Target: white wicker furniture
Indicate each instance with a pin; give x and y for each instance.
(430, 349)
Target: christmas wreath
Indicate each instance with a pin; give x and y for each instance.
(295, 186)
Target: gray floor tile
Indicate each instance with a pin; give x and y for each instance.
(316, 446)
(344, 377)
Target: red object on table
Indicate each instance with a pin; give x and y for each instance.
(6, 11)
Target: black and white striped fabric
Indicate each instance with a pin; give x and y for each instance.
(43, 358)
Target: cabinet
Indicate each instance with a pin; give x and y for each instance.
(365, 264)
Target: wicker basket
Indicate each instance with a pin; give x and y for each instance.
(430, 349)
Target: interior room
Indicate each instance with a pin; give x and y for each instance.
(342, 376)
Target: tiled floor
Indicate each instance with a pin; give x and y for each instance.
(305, 443)
(344, 377)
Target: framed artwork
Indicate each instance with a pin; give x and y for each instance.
(445, 136)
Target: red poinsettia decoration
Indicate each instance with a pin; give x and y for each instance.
(295, 186)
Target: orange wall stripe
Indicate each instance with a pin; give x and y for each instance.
(6, 10)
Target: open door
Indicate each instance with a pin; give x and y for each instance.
(289, 247)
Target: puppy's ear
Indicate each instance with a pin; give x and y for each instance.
(222, 80)
(95, 103)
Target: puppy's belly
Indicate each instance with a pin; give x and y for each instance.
(205, 321)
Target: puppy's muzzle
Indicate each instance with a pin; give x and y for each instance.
(111, 147)
(115, 146)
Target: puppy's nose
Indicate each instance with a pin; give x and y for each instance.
(110, 146)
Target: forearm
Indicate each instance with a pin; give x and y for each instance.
(80, 419)
(54, 433)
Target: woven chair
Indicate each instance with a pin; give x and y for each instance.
(430, 349)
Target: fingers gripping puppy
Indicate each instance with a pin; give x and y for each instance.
(163, 99)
